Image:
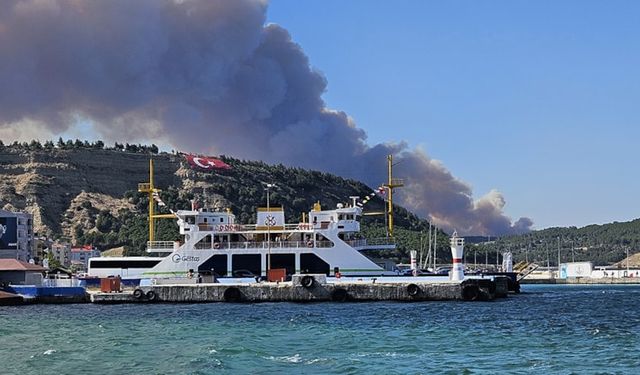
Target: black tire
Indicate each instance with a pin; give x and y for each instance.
(516, 289)
(413, 290)
(470, 292)
(339, 295)
(307, 281)
(492, 287)
(232, 294)
(151, 295)
(138, 294)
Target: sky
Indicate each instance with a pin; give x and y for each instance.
(502, 115)
(537, 99)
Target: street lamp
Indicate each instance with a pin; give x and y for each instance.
(573, 255)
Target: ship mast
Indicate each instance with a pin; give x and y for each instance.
(391, 184)
(150, 189)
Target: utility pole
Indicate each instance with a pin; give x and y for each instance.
(558, 256)
(546, 245)
(573, 255)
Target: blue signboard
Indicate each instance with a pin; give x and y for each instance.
(8, 233)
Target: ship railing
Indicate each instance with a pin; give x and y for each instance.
(163, 245)
(264, 245)
(253, 227)
(371, 242)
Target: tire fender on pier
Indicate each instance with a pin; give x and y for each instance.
(152, 296)
(413, 290)
(138, 294)
(470, 292)
(339, 295)
(232, 294)
(307, 281)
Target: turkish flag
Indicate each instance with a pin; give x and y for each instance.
(206, 163)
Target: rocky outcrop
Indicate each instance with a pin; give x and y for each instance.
(52, 184)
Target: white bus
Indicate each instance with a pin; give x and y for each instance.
(125, 267)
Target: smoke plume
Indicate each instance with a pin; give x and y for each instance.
(205, 76)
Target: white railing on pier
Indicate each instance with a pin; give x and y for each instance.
(59, 283)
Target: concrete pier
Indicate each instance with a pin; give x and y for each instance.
(311, 289)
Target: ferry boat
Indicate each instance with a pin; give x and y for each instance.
(328, 242)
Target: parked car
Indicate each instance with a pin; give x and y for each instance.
(409, 272)
(243, 273)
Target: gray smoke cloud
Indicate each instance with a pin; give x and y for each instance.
(205, 76)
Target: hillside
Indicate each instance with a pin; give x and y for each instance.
(86, 193)
(601, 244)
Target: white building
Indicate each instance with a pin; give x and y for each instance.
(80, 256)
(16, 235)
(61, 251)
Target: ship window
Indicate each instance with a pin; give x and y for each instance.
(205, 219)
(311, 263)
(217, 263)
(221, 220)
(191, 220)
(287, 261)
(124, 263)
(251, 262)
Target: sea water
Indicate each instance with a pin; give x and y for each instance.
(546, 329)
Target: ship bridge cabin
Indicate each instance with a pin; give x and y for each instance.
(204, 229)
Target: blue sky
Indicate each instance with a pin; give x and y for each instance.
(536, 99)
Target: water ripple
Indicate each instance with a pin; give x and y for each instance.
(547, 329)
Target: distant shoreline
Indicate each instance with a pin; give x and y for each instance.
(583, 281)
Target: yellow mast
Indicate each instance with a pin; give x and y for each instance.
(390, 185)
(150, 189)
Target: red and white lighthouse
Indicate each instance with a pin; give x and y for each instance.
(457, 252)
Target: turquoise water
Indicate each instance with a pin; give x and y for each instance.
(547, 329)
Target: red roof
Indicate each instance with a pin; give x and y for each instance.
(83, 248)
(17, 265)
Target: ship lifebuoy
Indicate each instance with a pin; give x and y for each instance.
(413, 290)
(310, 244)
(151, 295)
(216, 245)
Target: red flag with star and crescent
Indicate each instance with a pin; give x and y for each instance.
(206, 163)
